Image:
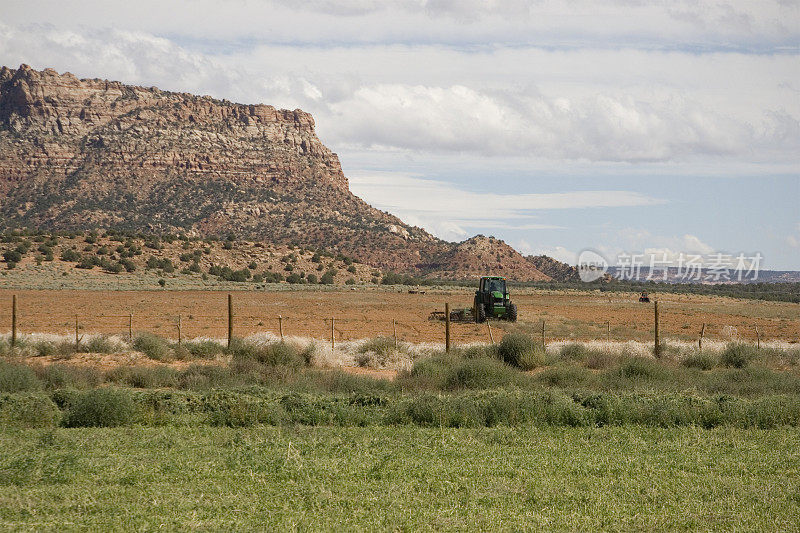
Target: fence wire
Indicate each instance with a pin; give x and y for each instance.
(191, 325)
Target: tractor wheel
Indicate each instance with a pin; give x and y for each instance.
(511, 313)
(481, 314)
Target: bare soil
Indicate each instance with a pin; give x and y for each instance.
(375, 311)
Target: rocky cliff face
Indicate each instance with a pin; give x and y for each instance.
(79, 154)
(557, 270)
(59, 122)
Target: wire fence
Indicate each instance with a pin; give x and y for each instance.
(335, 328)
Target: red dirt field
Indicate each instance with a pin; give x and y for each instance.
(369, 312)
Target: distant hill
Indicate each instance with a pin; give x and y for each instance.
(557, 270)
(96, 154)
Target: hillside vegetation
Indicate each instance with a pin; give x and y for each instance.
(110, 253)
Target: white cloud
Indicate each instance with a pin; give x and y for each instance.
(627, 106)
(558, 253)
(665, 23)
(644, 245)
(446, 210)
(601, 127)
(397, 190)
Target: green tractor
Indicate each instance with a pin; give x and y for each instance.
(492, 300)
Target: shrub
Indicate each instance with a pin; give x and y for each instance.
(519, 350)
(637, 367)
(12, 256)
(16, 378)
(204, 377)
(44, 348)
(314, 411)
(369, 391)
(598, 359)
(29, 411)
(114, 268)
(230, 410)
(152, 346)
(480, 374)
(738, 355)
(480, 351)
(378, 345)
(751, 381)
(164, 264)
(429, 373)
(100, 344)
(379, 352)
(566, 376)
(205, 349)
(573, 352)
(636, 371)
(489, 409)
(144, 377)
(59, 376)
(273, 354)
(88, 262)
(70, 255)
(180, 352)
(701, 360)
(100, 408)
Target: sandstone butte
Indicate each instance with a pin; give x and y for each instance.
(78, 154)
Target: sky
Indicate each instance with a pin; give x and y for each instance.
(557, 125)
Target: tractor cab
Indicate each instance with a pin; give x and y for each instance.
(492, 300)
(644, 297)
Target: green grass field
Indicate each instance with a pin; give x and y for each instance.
(399, 478)
(586, 441)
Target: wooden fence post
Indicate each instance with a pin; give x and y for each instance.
(702, 334)
(179, 330)
(230, 320)
(13, 320)
(657, 347)
(608, 331)
(446, 327)
(544, 344)
(758, 339)
(491, 337)
(333, 334)
(77, 339)
(280, 326)
(394, 331)
(130, 327)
